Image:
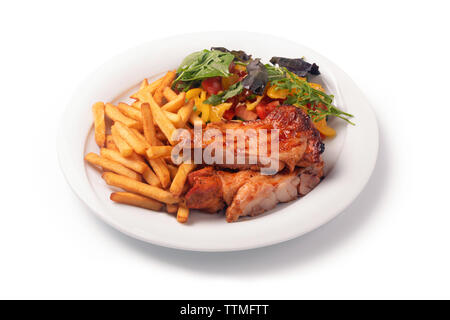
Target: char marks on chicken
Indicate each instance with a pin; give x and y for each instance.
(247, 192)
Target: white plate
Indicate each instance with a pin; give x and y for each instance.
(350, 157)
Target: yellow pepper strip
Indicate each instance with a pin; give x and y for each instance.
(276, 93)
(324, 129)
(215, 117)
(206, 110)
(193, 93)
(203, 95)
(316, 86)
(240, 67)
(252, 105)
(218, 111)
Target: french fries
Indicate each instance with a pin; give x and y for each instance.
(173, 117)
(130, 111)
(180, 178)
(148, 126)
(141, 137)
(185, 112)
(110, 143)
(172, 208)
(173, 171)
(182, 214)
(195, 119)
(161, 120)
(146, 88)
(124, 149)
(136, 200)
(114, 114)
(128, 135)
(155, 152)
(151, 178)
(160, 168)
(135, 165)
(110, 165)
(175, 104)
(166, 81)
(98, 110)
(169, 94)
(143, 189)
(136, 155)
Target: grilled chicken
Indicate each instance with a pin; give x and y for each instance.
(247, 192)
(299, 141)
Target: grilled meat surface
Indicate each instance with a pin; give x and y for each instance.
(247, 192)
(299, 140)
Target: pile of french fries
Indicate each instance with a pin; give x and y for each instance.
(136, 155)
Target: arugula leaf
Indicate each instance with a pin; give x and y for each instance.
(305, 94)
(203, 64)
(275, 73)
(232, 91)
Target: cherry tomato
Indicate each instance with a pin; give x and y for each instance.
(212, 85)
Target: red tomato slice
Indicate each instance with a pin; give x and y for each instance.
(212, 85)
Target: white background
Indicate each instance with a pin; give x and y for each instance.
(392, 242)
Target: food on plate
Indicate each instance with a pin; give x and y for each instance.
(121, 144)
(203, 136)
(182, 214)
(98, 110)
(111, 165)
(298, 139)
(136, 200)
(141, 188)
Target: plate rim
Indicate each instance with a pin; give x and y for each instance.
(62, 159)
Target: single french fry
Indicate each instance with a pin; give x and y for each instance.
(110, 143)
(155, 152)
(114, 114)
(185, 112)
(169, 94)
(141, 137)
(172, 208)
(174, 118)
(166, 81)
(160, 137)
(113, 155)
(195, 119)
(143, 189)
(151, 178)
(182, 214)
(110, 165)
(180, 178)
(128, 135)
(98, 111)
(129, 111)
(136, 200)
(161, 120)
(147, 122)
(144, 83)
(161, 170)
(124, 148)
(147, 88)
(173, 170)
(175, 104)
